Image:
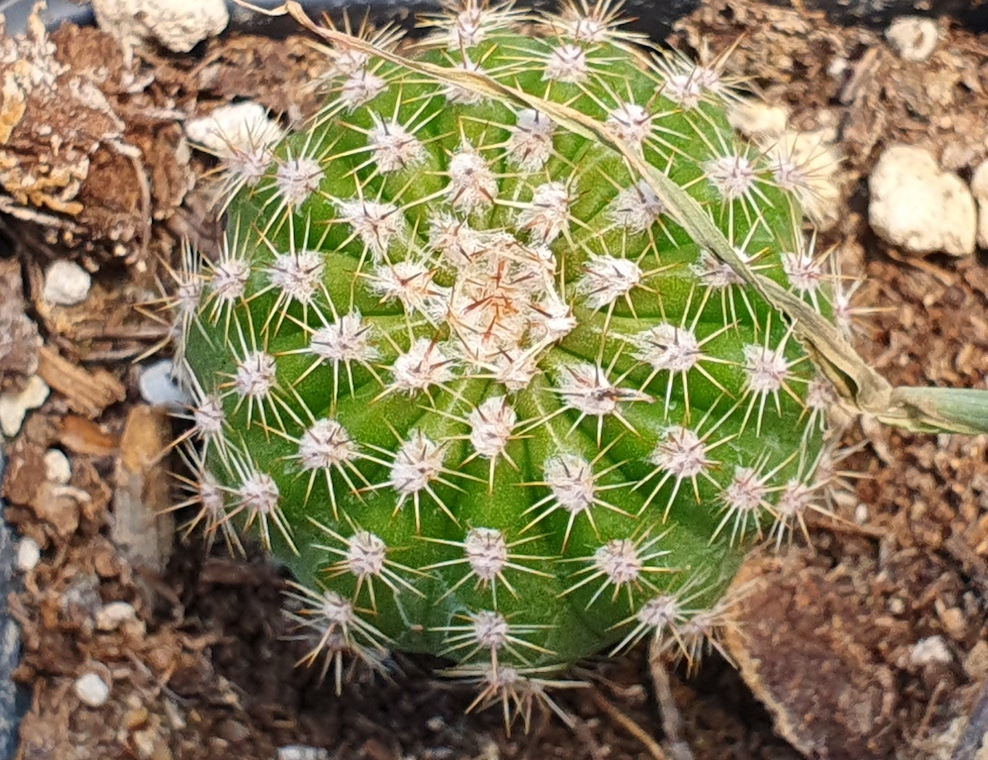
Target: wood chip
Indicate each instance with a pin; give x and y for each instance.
(87, 393)
(142, 492)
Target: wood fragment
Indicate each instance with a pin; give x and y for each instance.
(87, 393)
(143, 527)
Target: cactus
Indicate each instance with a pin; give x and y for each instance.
(458, 367)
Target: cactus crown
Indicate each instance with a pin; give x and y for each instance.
(458, 368)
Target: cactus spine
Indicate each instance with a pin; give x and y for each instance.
(457, 367)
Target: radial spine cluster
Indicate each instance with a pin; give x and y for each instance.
(457, 367)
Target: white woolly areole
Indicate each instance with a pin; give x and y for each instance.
(606, 278)
(211, 496)
(805, 274)
(732, 176)
(297, 275)
(472, 184)
(714, 273)
(660, 612)
(345, 340)
(324, 445)
(255, 375)
(746, 491)
(631, 122)
(230, 278)
(668, 347)
(376, 224)
(491, 424)
(461, 95)
(546, 216)
(618, 560)
(585, 387)
(365, 555)
(636, 208)
(571, 480)
(794, 499)
(585, 28)
(499, 304)
(455, 240)
(208, 416)
(297, 178)
(188, 294)
(490, 629)
(411, 283)
(336, 611)
(422, 366)
(487, 552)
(680, 452)
(530, 143)
(258, 494)
(468, 29)
(417, 463)
(820, 395)
(393, 147)
(567, 63)
(684, 89)
(361, 87)
(766, 370)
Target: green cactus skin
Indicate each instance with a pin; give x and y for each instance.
(460, 372)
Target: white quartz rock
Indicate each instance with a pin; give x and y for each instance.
(66, 284)
(917, 206)
(178, 25)
(979, 186)
(914, 38)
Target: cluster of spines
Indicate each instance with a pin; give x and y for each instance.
(462, 255)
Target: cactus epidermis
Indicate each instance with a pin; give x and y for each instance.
(457, 367)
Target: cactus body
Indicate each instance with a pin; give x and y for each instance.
(458, 368)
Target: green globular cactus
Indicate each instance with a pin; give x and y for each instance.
(457, 367)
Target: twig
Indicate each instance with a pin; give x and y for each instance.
(671, 722)
(977, 726)
(653, 747)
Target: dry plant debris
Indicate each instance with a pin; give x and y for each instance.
(891, 597)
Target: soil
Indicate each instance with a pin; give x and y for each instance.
(867, 641)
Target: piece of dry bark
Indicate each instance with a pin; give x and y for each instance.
(87, 393)
(142, 526)
(19, 339)
(796, 647)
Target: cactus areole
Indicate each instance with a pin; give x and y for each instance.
(459, 370)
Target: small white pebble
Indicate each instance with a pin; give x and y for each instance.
(932, 650)
(14, 406)
(111, 616)
(28, 554)
(914, 38)
(58, 469)
(91, 690)
(158, 387)
(66, 284)
(300, 752)
(861, 513)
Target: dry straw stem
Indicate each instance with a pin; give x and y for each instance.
(859, 387)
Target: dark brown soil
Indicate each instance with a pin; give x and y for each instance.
(829, 633)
